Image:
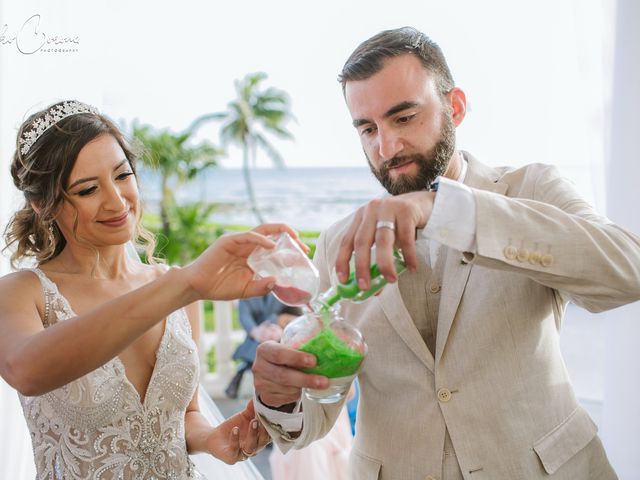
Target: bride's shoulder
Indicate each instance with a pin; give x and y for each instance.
(26, 278)
(20, 286)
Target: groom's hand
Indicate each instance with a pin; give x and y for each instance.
(400, 216)
(277, 377)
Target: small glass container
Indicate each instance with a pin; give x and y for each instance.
(337, 345)
(297, 278)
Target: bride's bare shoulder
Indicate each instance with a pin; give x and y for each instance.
(23, 280)
(20, 289)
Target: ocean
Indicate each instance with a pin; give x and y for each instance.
(305, 198)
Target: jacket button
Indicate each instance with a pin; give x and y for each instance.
(510, 252)
(546, 260)
(523, 255)
(534, 258)
(434, 288)
(430, 477)
(444, 395)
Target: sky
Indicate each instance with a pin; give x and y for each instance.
(532, 71)
(535, 73)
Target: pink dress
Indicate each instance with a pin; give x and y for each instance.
(327, 458)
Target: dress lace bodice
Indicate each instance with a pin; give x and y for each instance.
(97, 428)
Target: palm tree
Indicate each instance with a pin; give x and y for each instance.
(247, 120)
(174, 156)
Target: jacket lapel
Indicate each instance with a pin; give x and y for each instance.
(393, 307)
(456, 272)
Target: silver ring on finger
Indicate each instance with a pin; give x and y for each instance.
(386, 224)
(247, 454)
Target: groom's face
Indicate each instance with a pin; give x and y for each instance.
(404, 124)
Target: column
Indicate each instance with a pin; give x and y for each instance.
(621, 404)
(223, 340)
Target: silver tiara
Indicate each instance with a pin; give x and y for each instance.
(49, 119)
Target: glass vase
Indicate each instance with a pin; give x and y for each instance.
(337, 345)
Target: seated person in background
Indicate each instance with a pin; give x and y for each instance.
(263, 318)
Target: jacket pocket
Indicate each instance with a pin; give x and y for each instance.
(362, 467)
(565, 440)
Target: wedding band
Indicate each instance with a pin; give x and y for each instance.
(247, 455)
(386, 224)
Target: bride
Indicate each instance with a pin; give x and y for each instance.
(102, 348)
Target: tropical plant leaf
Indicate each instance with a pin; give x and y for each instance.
(270, 150)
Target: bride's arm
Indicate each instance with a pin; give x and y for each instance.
(227, 440)
(35, 360)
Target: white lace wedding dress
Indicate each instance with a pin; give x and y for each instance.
(97, 427)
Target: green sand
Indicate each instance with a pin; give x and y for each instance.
(335, 358)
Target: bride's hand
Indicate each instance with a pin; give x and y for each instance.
(221, 272)
(238, 438)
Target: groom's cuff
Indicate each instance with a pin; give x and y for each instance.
(453, 218)
(289, 425)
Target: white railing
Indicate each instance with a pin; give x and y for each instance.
(225, 339)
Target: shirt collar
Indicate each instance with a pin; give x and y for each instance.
(463, 169)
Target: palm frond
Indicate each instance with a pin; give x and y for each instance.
(270, 150)
(201, 120)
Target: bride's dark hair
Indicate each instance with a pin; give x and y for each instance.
(42, 174)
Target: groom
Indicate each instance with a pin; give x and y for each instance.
(464, 378)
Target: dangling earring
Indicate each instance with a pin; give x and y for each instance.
(52, 236)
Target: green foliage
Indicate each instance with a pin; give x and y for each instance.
(174, 155)
(181, 232)
(211, 359)
(312, 249)
(189, 233)
(210, 321)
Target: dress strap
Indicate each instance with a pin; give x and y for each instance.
(49, 290)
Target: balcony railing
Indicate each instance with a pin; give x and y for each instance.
(224, 339)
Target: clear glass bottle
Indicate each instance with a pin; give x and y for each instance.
(338, 346)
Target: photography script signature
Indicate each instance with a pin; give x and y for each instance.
(29, 39)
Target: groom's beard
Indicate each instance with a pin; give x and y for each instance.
(431, 164)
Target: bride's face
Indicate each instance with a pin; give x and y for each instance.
(102, 193)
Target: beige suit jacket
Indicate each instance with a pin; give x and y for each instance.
(498, 382)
